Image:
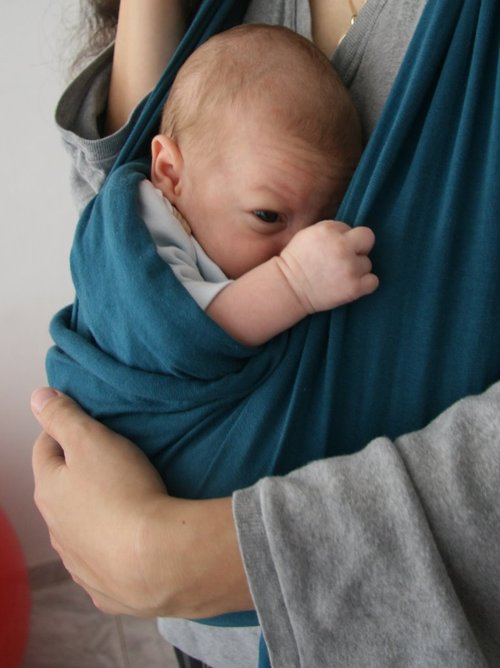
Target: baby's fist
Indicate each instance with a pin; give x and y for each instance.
(327, 264)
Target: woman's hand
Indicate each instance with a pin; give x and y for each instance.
(134, 549)
(95, 491)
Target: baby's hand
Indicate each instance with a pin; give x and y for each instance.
(327, 264)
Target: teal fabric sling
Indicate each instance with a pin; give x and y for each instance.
(213, 415)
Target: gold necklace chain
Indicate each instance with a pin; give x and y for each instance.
(354, 11)
(354, 16)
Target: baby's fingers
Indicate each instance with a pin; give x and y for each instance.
(368, 283)
(362, 265)
(362, 239)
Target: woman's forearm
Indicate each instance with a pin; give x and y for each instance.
(147, 34)
(203, 574)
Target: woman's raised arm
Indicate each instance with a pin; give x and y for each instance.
(147, 34)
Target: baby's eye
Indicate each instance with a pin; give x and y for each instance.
(267, 216)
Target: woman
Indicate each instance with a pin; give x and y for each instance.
(327, 519)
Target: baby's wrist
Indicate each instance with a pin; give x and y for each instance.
(295, 280)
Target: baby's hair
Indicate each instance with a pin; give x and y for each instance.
(292, 80)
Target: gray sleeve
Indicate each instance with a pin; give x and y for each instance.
(78, 116)
(389, 557)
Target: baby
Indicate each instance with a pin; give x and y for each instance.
(258, 142)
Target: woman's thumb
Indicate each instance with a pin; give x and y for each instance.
(56, 413)
(40, 398)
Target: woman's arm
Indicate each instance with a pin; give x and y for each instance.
(147, 34)
(387, 557)
(397, 545)
(91, 119)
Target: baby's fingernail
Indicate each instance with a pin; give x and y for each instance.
(40, 397)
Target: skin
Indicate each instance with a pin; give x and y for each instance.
(330, 20)
(257, 170)
(253, 202)
(76, 478)
(147, 35)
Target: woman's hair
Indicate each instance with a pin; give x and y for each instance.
(270, 69)
(97, 26)
(96, 29)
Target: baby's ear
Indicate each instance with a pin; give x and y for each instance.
(166, 166)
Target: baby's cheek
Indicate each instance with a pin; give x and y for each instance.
(238, 259)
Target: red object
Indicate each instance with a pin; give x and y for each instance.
(15, 602)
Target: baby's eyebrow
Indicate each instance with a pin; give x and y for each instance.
(280, 197)
(262, 187)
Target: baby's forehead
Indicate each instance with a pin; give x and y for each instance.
(289, 84)
(264, 139)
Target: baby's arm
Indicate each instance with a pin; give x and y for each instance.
(322, 267)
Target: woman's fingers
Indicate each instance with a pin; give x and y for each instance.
(48, 456)
(67, 424)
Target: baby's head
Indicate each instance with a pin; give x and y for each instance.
(259, 138)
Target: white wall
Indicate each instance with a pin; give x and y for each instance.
(37, 222)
